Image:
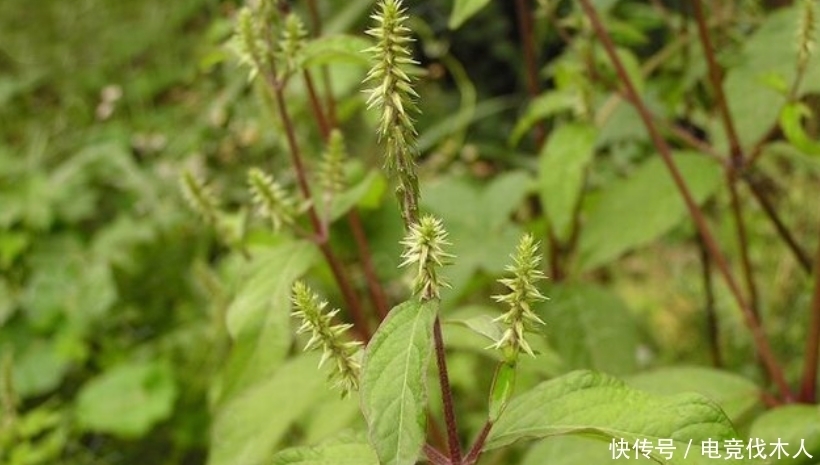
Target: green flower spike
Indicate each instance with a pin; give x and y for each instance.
(805, 34)
(199, 197)
(394, 97)
(424, 246)
(294, 36)
(327, 337)
(520, 317)
(271, 199)
(331, 170)
(248, 42)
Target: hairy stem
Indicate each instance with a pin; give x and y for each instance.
(760, 340)
(435, 457)
(453, 442)
(478, 445)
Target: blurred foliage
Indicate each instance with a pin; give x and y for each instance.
(130, 332)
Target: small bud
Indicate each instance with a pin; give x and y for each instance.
(271, 199)
(248, 42)
(805, 34)
(424, 246)
(523, 293)
(327, 337)
(293, 40)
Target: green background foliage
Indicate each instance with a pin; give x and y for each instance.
(133, 332)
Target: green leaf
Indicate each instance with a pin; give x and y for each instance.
(543, 106)
(601, 407)
(394, 382)
(336, 454)
(464, 10)
(336, 48)
(791, 424)
(635, 211)
(484, 325)
(736, 395)
(591, 328)
(249, 425)
(371, 188)
(756, 87)
(561, 173)
(258, 318)
(791, 123)
(127, 400)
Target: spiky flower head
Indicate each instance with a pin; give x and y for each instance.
(331, 170)
(327, 337)
(393, 96)
(424, 246)
(294, 36)
(249, 42)
(805, 33)
(199, 197)
(520, 317)
(271, 199)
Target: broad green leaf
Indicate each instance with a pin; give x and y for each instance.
(791, 123)
(127, 400)
(598, 406)
(790, 425)
(543, 106)
(484, 325)
(332, 454)
(591, 328)
(464, 10)
(635, 211)
(756, 89)
(737, 396)
(258, 319)
(248, 426)
(371, 187)
(339, 47)
(477, 220)
(394, 382)
(574, 450)
(561, 172)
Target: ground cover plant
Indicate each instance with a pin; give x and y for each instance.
(504, 232)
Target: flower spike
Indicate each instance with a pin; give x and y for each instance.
(424, 246)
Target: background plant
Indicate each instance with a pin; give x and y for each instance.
(110, 289)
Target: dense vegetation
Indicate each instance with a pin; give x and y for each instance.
(169, 170)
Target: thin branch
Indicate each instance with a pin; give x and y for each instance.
(354, 305)
(808, 388)
(716, 79)
(525, 26)
(759, 337)
(374, 286)
(435, 457)
(755, 186)
(478, 445)
(446, 395)
(743, 244)
(712, 322)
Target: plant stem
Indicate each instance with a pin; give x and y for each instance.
(808, 388)
(712, 322)
(354, 305)
(756, 187)
(759, 337)
(525, 26)
(478, 445)
(715, 78)
(374, 286)
(446, 395)
(435, 457)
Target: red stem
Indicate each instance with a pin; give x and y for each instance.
(759, 337)
(453, 443)
(808, 388)
(478, 445)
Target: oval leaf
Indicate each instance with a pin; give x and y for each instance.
(464, 10)
(598, 406)
(394, 382)
(331, 454)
